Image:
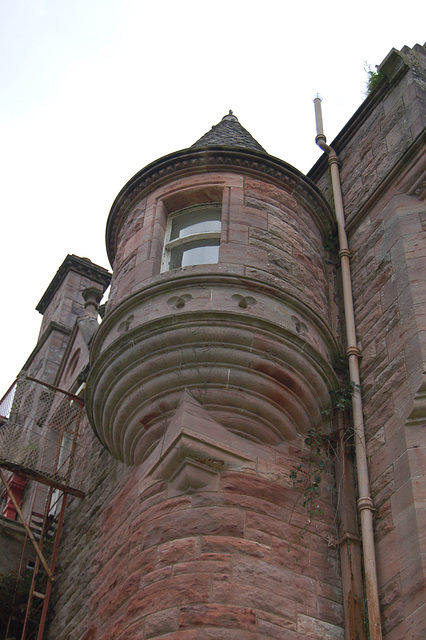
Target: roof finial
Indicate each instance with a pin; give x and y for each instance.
(230, 116)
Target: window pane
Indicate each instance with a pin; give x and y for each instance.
(201, 252)
(203, 221)
(200, 255)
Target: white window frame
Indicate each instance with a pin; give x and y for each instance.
(192, 238)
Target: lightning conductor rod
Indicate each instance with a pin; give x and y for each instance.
(365, 503)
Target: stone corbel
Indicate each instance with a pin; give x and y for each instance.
(195, 449)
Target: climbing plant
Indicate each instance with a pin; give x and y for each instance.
(310, 471)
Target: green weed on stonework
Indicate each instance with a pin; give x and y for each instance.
(373, 78)
(310, 472)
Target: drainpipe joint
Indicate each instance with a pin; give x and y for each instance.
(365, 503)
(353, 351)
(344, 253)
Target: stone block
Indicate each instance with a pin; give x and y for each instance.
(161, 622)
(171, 592)
(203, 566)
(331, 612)
(275, 579)
(329, 592)
(391, 591)
(245, 485)
(318, 630)
(398, 632)
(267, 192)
(250, 503)
(376, 441)
(90, 634)
(417, 459)
(383, 416)
(416, 127)
(180, 635)
(181, 550)
(384, 523)
(112, 630)
(392, 616)
(239, 233)
(388, 547)
(270, 630)
(402, 499)
(231, 634)
(384, 487)
(143, 561)
(217, 615)
(155, 576)
(159, 508)
(258, 536)
(416, 624)
(234, 546)
(153, 490)
(193, 522)
(413, 584)
(289, 533)
(119, 596)
(246, 594)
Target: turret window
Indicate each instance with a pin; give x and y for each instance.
(193, 236)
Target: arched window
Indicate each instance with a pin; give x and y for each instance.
(193, 236)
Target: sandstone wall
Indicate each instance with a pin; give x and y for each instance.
(382, 153)
(383, 129)
(207, 379)
(238, 561)
(252, 337)
(389, 268)
(267, 233)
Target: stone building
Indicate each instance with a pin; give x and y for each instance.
(220, 482)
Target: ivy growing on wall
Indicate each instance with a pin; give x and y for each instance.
(309, 473)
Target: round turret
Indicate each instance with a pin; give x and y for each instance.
(220, 289)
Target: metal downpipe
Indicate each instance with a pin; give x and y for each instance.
(365, 503)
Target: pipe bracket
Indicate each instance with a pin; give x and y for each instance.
(333, 158)
(345, 253)
(348, 536)
(365, 503)
(353, 351)
(320, 138)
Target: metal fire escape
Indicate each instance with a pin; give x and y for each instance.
(43, 433)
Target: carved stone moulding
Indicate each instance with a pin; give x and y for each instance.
(211, 292)
(190, 162)
(255, 375)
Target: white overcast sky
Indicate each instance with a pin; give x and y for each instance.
(93, 90)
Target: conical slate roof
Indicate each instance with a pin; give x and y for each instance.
(229, 133)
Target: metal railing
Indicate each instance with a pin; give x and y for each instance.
(41, 433)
